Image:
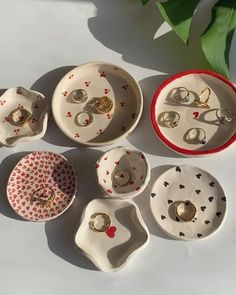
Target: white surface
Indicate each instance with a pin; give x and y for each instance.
(39, 36)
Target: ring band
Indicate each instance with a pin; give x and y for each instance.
(170, 119)
(185, 211)
(104, 105)
(19, 117)
(203, 98)
(120, 177)
(181, 98)
(94, 222)
(43, 198)
(83, 119)
(79, 95)
(224, 116)
(196, 136)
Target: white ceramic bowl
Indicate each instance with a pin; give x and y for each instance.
(19, 98)
(127, 234)
(123, 173)
(98, 79)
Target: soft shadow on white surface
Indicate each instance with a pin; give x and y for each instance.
(61, 231)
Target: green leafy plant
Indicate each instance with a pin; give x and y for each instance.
(217, 37)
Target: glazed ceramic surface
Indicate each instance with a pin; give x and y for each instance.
(112, 249)
(223, 96)
(188, 183)
(20, 98)
(98, 79)
(122, 172)
(43, 172)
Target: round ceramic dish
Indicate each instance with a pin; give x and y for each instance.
(194, 192)
(123, 173)
(19, 101)
(124, 235)
(222, 96)
(94, 128)
(42, 186)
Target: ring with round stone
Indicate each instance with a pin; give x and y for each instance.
(83, 119)
(79, 95)
(224, 116)
(104, 105)
(100, 222)
(196, 136)
(170, 119)
(185, 211)
(181, 95)
(19, 117)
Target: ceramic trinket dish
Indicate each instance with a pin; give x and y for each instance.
(111, 233)
(194, 113)
(23, 116)
(188, 203)
(122, 172)
(97, 104)
(42, 186)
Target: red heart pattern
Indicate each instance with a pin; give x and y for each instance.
(111, 231)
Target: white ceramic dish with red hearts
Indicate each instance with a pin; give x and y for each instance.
(81, 114)
(188, 203)
(111, 233)
(122, 172)
(42, 186)
(23, 116)
(194, 113)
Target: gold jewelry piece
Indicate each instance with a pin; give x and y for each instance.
(120, 177)
(83, 119)
(19, 117)
(170, 119)
(44, 196)
(79, 95)
(224, 116)
(203, 98)
(100, 222)
(181, 95)
(185, 211)
(104, 105)
(196, 136)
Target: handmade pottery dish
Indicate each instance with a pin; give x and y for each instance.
(188, 203)
(23, 116)
(194, 113)
(111, 232)
(123, 173)
(42, 186)
(97, 103)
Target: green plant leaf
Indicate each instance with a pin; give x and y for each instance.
(144, 1)
(178, 14)
(216, 40)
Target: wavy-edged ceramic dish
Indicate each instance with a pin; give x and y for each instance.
(187, 187)
(15, 100)
(42, 186)
(222, 96)
(122, 172)
(98, 79)
(126, 235)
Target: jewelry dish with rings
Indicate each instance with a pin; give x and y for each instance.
(188, 203)
(111, 232)
(23, 116)
(206, 106)
(42, 186)
(107, 94)
(122, 173)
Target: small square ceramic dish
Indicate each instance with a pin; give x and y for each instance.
(123, 173)
(23, 116)
(194, 113)
(111, 233)
(97, 104)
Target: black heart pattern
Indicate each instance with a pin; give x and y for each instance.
(163, 217)
(199, 175)
(218, 214)
(153, 195)
(198, 191)
(203, 208)
(166, 183)
(181, 234)
(199, 235)
(223, 199)
(178, 169)
(211, 199)
(212, 183)
(177, 219)
(170, 201)
(181, 186)
(207, 221)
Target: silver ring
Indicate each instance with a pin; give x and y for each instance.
(83, 119)
(79, 95)
(178, 95)
(196, 136)
(224, 116)
(170, 119)
(120, 177)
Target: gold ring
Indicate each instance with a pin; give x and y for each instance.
(104, 105)
(42, 197)
(100, 222)
(185, 211)
(203, 98)
(79, 95)
(19, 117)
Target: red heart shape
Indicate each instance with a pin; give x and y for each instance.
(195, 114)
(111, 231)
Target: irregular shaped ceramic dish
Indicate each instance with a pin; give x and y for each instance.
(22, 105)
(42, 186)
(123, 173)
(193, 119)
(78, 113)
(122, 233)
(191, 194)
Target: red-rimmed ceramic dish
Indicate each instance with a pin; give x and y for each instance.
(42, 186)
(191, 115)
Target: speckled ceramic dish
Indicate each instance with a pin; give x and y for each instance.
(83, 116)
